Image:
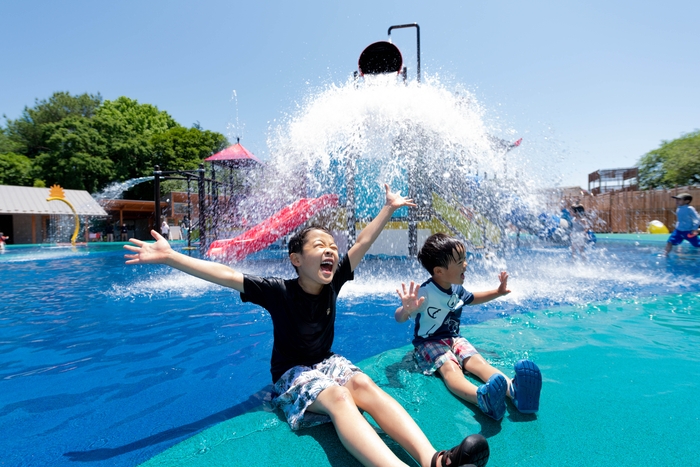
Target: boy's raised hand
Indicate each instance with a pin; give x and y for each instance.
(370, 233)
(503, 287)
(410, 301)
(148, 253)
(395, 200)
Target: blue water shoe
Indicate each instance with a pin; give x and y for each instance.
(526, 387)
(492, 396)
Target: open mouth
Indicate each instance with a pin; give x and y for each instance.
(327, 266)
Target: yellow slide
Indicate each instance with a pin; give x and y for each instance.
(474, 226)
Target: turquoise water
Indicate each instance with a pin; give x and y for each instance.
(107, 364)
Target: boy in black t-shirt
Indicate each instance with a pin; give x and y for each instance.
(311, 384)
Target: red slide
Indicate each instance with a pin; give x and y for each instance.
(271, 229)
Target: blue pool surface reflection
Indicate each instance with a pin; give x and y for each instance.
(108, 364)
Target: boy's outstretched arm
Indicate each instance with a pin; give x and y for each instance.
(370, 233)
(160, 252)
(410, 301)
(487, 296)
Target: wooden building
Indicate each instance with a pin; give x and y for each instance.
(26, 216)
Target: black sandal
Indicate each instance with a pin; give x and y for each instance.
(473, 450)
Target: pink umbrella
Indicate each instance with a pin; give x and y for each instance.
(234, 156)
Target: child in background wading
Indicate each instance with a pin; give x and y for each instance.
(686, 225)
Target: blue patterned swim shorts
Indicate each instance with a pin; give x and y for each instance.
(299, 387)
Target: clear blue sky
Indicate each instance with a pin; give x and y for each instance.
(592, 84)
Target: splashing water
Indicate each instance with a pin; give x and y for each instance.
(421, 139)
(116, 190)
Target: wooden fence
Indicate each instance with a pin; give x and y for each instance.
(631, 211)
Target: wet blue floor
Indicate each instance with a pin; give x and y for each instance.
(620, 384)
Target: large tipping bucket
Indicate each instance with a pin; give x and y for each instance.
(380, 57)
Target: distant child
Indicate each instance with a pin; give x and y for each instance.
(578, 232)
(687, 223)
(437, 308)
(185, 227)
(565, 214)
(109, 232)
(313, 385)
(2, 240)
(165, 230)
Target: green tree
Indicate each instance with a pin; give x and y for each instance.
(651, 171)
(79, 142)
(674, 163)
(179, 149)
(185, 148)
(16, 169)
(76, 156)
(29, 133)
(128, 127)
(6, 144)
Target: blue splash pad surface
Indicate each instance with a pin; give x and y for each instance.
(620, 389)
(104, 364)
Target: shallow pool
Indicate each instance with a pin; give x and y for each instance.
(111, 364)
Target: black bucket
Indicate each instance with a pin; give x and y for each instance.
(380, 57)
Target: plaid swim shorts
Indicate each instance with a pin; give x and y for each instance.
(299, 387)
(431, 355)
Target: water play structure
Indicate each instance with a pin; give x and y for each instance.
(423, 139)
(56, 194)
(270, 230)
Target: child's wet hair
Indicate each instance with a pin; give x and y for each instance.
(296, 243)
(439, 250)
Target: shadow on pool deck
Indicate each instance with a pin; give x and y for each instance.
(173, 434)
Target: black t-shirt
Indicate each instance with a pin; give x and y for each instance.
(303, 324)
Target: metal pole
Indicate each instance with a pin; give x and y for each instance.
(202, 215)
(412, 25)
(156, 196)
(350, 198)
(214, 188)
(412, 213)
(189, 215)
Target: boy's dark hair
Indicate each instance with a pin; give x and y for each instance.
(438, 250)
(296, 243)
(578, 209)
